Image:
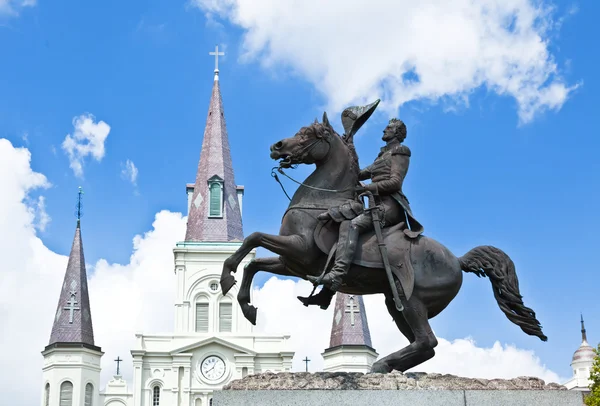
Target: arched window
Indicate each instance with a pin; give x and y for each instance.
(215, 199)
(66, 394)
(47, 395)
(198, 402)
(89, 393)
(156, 396)
(210, 402)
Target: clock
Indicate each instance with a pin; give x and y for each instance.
(213, 368)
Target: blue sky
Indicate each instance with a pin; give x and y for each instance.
(479, 175)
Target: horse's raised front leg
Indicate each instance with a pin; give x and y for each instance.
(272, 265)
(290, 246)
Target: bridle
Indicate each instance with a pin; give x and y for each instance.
(300, 157)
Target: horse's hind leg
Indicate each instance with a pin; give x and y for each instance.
(414, 324)
(399, 319)
(272, 265)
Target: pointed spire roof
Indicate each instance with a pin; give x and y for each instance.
(73, 317)
(350, 325)
(215, 166)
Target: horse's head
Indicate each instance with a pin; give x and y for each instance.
(310, 145)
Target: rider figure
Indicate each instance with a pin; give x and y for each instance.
(387, 175)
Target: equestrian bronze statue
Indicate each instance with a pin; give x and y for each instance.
(381, 247)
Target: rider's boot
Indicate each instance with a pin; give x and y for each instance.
(321, 299)
(343, 260)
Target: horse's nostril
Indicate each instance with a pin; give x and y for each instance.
(279, 145)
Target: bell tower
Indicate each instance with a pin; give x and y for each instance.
(214, 232)
(71, 372)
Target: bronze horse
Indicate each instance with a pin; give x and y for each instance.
(437, 272)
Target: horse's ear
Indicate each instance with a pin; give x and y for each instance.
(326, 120)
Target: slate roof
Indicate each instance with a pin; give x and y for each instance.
(215, 161)
(350, 325)
(74, 326)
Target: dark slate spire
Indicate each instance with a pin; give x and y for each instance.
(215, 166)
(350, 325)
(583, 334)
(73, 317)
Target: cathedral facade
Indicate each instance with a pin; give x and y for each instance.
(211, 343)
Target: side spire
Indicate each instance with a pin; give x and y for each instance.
(350, 325)
(350, 348)
(73, 317)
(583, 333)
(215, 213)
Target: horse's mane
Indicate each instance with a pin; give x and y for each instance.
(324, 131)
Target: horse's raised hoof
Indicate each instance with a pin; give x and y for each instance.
(227, 283)
(249, 312)
(381, 368)
(229, 266)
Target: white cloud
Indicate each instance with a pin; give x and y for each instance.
(355, 51)
(138, 296)
(11, 7)
(87, 139)
(130, 172)
(42, 218)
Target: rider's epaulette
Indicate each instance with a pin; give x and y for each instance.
(401, 150)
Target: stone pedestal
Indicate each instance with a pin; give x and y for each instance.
(414, 389)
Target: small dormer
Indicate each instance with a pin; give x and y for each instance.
(215, 197)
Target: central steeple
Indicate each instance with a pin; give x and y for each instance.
(214, 208)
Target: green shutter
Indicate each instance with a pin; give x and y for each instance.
(215, 200)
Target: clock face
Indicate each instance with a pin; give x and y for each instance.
(213, 368)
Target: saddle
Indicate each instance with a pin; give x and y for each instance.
(367, 252)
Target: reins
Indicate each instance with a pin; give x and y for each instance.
(280, 170)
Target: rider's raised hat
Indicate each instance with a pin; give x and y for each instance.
(354, 117)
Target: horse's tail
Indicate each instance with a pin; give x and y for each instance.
(496, 265)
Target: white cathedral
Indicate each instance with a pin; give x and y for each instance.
(212, 343)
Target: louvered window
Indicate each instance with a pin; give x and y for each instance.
(89, 393)
(66, 394)
(47, 395)
(201, 317)
(225, 317)
(216, 200)
(156, 396)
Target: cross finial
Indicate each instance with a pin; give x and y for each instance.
(306, 361)
(217, 54)
(351, 309)
(79, 213)
(118, 361)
